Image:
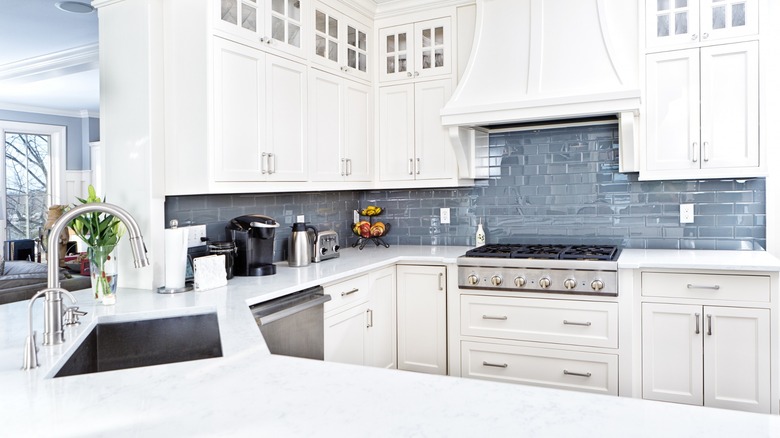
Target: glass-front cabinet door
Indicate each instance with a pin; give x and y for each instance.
(341, 43)
(415, 50)
(276, 24)
(396, 54)
(357, 49)
(681, 22)
(326, 37)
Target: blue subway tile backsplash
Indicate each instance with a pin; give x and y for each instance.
(558, 185)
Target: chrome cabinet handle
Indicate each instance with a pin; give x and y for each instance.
(695, 148)
(369, 318)
(709, 325)
(703, 286)
(418, 166)
(497, 365)
(697, 323)
(343, 167)
(411, 163)
(572, 373)
(271, 163)
(500, 318)
(586, 324)
(441, 277)
(349, 292)
(705, 151)
(349, 166)
(263, 163)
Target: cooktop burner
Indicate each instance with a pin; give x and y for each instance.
(551, 252)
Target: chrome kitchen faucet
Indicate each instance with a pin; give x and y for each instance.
(52, 310)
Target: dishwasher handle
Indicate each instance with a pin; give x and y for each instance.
(288, 306)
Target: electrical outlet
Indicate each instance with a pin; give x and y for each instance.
(686, 213)
(355, 216)
(194, 235)
(444, 213)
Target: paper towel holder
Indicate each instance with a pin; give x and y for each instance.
(188, 277)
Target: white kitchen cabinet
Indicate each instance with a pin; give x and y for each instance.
(416, 50)
(274, 24)
(340, 42)
(422, 318)
(340, 121)
(259, 115)
(702, 112)
(681, 23)
(360, 320)
(413, 144)
(381, 327)
(706, 355)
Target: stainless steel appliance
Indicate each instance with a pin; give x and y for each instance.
(568, 269)
(253, 235)
(293, 325)
(326, 246)
(301, 244)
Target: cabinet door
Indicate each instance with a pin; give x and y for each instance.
(736, 358)
(728, 18)
(325, 124)
(242, 18)
(396, 55)
(381, 326)
(673, 111)
(345, 336)
(672, 353)
(396, 132)
(284, 25)
(327, 40)
(729, 106)
(356, 47)
(670, 22)
(358, 136)
(422, 324)
(434, 157)
(432, 48)
(286, 107)
(239, 112)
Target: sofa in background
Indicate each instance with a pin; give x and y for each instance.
(20, 280)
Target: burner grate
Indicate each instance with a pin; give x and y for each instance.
(549, 252)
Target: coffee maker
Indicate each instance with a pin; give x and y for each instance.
(253, 235)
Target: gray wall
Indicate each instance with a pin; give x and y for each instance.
(555, 185)
(80, 131)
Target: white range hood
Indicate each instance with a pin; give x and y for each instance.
(543, 60)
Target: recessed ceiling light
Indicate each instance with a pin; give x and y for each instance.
(75, 7)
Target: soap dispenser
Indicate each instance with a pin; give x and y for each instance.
(480, 234)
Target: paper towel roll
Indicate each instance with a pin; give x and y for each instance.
(175, 257)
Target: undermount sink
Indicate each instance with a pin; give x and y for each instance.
(133, 344)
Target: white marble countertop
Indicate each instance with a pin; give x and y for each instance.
(697, 259)
(249, 392)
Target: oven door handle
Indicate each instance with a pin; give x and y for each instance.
(289, 311)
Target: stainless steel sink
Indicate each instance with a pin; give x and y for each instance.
(133, 344)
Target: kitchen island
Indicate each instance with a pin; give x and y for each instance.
(249, 392)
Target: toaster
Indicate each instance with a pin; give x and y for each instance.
(326, 246)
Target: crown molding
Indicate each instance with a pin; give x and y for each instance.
(401, 7)
(78, 114)
(65, 62)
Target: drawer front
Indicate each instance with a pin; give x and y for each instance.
(706, 286)
(347, 293)
(590, 372)
(570, 322)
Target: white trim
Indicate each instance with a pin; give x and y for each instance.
(5, 106)
(64, 62)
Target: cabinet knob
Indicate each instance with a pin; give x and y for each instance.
(705, 35)
(694, 37)
(544, 282)
(417, 73)
(409, 74)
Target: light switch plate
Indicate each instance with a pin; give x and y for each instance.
(445, 215)
(686, 213)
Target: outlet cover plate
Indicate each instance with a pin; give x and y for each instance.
(686, 213)
(445, 215)
(194, 234)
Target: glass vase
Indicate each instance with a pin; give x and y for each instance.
(103, 273)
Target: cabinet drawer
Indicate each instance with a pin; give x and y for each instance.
(347, 293)
(591, 372)
(706, 286)
(587, 323)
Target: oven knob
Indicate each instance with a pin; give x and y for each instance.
(519, 281)
(544, 282)
(570, 283)
(597, 285)
(495, 280)
(473, 279)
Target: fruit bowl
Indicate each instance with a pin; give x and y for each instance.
(377, 239)
(372, 210)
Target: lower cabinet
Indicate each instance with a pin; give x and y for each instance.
(360, 323)
(706, 355)
(422, 318)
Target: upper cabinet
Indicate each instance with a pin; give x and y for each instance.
(276, 24)
(685, 22)
(340, 43)
(421, 49)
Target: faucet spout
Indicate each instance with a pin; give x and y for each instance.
(134, 231)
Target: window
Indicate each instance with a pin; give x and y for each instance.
(32, 172)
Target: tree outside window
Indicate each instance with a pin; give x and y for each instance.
(26, 184)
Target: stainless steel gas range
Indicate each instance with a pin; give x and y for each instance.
(568, 269)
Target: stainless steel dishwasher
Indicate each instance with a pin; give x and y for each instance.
(292, 325)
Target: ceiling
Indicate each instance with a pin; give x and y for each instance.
(48, 58)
